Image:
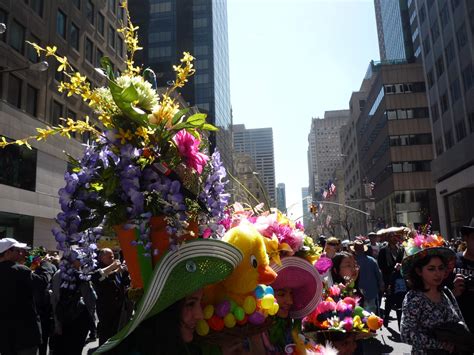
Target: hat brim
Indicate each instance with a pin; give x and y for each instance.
(304, 280)
(352, 247)
(409, 261)
(179, 273)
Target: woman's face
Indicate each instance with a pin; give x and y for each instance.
(348, 268)
(284, 297)
(433, 273)
(331, 248)
(190, 314)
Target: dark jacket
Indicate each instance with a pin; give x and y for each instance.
(387, 259)
(20, 326)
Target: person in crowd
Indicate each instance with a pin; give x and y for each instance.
(374, 246)
(298, 289)
(20, 327)
(332, 246)
(370, 281)
(396, 290)
(344, 269)
(72, 310)
(428, 303)
(463, 285)
(389, 256)
(110, 282)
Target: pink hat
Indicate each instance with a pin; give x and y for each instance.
(299, 275)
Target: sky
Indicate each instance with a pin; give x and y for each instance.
(291, 60)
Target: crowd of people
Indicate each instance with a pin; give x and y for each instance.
(430, 288)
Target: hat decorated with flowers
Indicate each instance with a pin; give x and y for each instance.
(422, 245)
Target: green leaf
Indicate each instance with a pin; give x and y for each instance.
(129, 94)
(111, 186)
(209, 127)
(107, 65)
(198, 119)
(123, 98)
(179, 115)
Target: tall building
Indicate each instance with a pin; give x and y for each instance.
(84, 31)
(395, 146)
(306, 201)
(281, 197)
(443, 35)
(324, 148)
(170, 27)
(393, 29)
(258, 143)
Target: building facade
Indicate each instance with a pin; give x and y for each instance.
(170, 27)
(395, 145)
(305, 202)
(324, 149)
(281, 197)
(443, 39)
(84, 31)
(393, 29)
(258, 144)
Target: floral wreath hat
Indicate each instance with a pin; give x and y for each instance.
(146, 174)
(420, 246)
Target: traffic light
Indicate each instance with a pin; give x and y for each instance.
(313, 209)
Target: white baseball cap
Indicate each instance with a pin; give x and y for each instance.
(7, 243)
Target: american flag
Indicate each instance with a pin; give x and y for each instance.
(332, 188)
(325, 194)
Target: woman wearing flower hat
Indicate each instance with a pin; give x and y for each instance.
(428, 304)
(297, 290)
(167, 313)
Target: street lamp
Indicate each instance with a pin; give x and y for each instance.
(3, 28)
(40, 66)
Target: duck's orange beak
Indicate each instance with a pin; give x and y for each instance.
(266, 275)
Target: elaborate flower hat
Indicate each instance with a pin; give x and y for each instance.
(146, 166)
(179, 273)
(420, 246)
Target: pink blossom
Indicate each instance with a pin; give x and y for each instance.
(323, 265)
(334, 291)
(326, 306)
(419, 240)
(188, 147)
(348, 323)
(207, 233)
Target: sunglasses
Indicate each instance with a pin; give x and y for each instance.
(334, 244)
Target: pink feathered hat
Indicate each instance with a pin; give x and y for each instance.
(299, 275)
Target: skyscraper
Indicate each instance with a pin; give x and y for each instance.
(393, 30)
(84, 31)
(443, 35)
(281, 197)
(324, 150)
(170, 27)
(258, 143)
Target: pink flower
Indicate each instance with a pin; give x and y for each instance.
(348, 323)
(188, 147)
(325, 306)
(323, 265)
(334, 291)
(207, 233)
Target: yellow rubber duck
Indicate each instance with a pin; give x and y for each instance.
(253, 270)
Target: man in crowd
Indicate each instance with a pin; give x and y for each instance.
(110, 282)
(374, 246)
(20, 328)
(464, 279)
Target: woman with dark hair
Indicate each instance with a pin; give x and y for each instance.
(427, 304)
(344, 268)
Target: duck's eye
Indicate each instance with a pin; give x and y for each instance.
(253, 261)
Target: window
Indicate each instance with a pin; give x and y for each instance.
(426, 45)
(160, 37)
(111, 37)
(201, 50)
(61, 24)
(74, 36)
(443, 101)
(444, 15)
(14, 90)
(460, 130)
(439, 146)
(439, 66)
(435, 31)
(17, 36)
(448, 139)
(100, 23)
(200, 22)
(160, 7)
(430, 78)
(449, 53)
(18, 167)
(31, 100)
(455, 91)
(90, 11)
(434, 112)
(88, 50)
(77, 3)
(98, 56)
(37, 6)
(202, 64)
(72, 115)
(164, 51)
(422, 14)
(461, 36)
(56, 112)
(30, 51)
(120, 46)
(201, 79)
(468, 77)
(112, 6)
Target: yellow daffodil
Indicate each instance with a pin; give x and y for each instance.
(63, 64)
(124, 135)
(51, 50)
